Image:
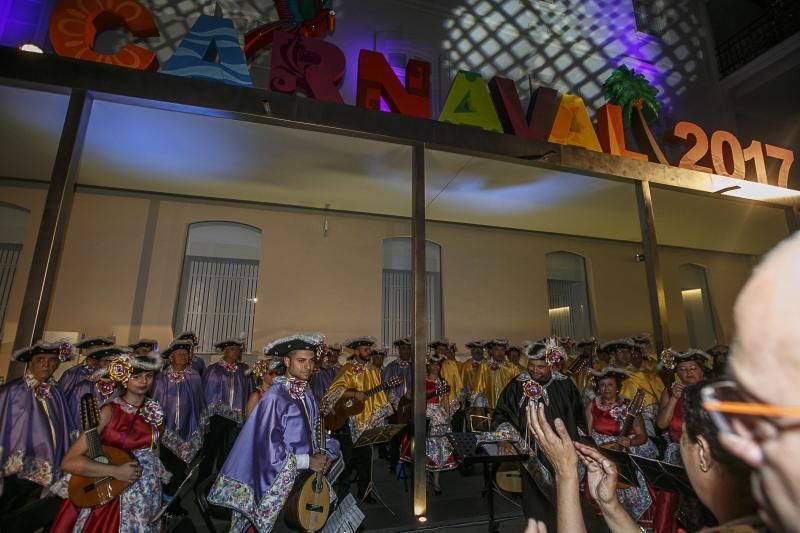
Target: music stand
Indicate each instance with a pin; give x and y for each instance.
(469, 451)
(164, 508)
(371, 437)
(663, 476)
(626, 470)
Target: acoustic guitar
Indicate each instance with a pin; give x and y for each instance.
(308, 505)
(634, 410)
(87, 491)
(405, 407)
(509, 478)
(350, 406)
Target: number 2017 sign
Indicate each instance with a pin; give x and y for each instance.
(727, 158)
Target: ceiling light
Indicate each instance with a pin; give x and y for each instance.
(30, 47)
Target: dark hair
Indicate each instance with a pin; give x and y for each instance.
(615, 377)
(698, 423)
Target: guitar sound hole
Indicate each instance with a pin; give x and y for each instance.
(348, 403)
(314, 508)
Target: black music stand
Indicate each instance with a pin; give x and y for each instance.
(469, 451)
(371, 437)
(626, 470)
(664, 476)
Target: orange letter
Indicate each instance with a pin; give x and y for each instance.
(74, 25)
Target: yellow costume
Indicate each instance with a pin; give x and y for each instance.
(499, 376)
(451, 373)
(475, 377)
(362, 377)
(649, 382)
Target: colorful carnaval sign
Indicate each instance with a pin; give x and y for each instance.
(302, 62)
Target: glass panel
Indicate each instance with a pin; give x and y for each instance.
(219, 283)
(397, 298)
(697, 307)
(568, 296)
(30, 124)
(499, 221)
(708, 246)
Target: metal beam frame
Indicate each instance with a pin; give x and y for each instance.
(655, 281)
(49, 72)
(53, 227)
(419, 315)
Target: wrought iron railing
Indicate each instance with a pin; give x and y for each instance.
(780, 22)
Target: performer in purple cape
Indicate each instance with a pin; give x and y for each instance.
(400, 367)
(76, 374)
(102, 388)
(227, 387)
(35, 428)
(179, 390)
(144, 346)
(196, 362)
(276, 443)
(328, 369)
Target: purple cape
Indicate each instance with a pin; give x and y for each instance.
(73, 376)
(393, 369)
(199, 365)
(33, 440)
(227, 392)
(261, 468)
(322, 380)
(87, 386)
(186, 416)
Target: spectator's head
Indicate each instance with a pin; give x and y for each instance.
(720, 480)
(765, 366)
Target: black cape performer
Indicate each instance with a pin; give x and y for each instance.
(539, 384)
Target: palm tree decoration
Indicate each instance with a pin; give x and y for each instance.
(632, 92)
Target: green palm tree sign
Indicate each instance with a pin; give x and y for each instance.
(637, 97)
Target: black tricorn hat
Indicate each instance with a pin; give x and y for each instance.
(299, 341)
(93, 342)
(178, 345)
(106, 351)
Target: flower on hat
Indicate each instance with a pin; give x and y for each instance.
(120, 369)
(668, 359)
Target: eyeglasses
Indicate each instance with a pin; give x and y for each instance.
(734, 414)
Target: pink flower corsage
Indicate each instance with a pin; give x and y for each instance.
(553, 356)
(619, 412)
(230, 367)
(358, 368)
(152, 413)
(41, 391)
(64, 351)
(493, 365)
(533, 390)
(297, 388)
(105, 387)
(176, 376)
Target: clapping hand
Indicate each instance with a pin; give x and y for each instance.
(556, 445)
(601, 475)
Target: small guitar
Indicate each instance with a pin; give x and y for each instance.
(308, 505)
(578, 365)
(405, 406)
(91, 492)
(350, 406)
(634, 410)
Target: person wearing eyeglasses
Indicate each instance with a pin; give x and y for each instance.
(718, 478)
(758, 411)
(690, 367)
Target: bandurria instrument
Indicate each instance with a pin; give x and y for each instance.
(308, 505)
(91, 492)
(634, 410)
(350, 406)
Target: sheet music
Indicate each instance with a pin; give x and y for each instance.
(335, 471)
(346, 518)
